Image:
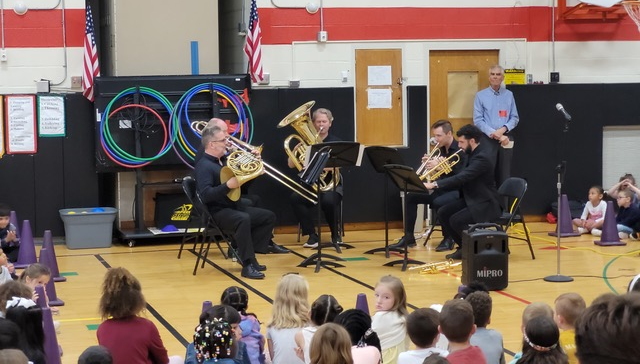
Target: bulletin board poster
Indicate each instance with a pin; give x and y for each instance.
(51, 121)
(20, 124)
(1, 127)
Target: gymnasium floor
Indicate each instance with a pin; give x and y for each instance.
(175, 296)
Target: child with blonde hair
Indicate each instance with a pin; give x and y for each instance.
(323, 310)
(331, 345)
(389, 321)
(569, 306)
(290, 314)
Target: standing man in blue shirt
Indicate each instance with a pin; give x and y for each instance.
(495, 113)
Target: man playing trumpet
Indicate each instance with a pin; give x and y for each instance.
(442, 133)
(251, 227)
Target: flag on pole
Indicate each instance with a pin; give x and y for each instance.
(253, 46)
(91, 68)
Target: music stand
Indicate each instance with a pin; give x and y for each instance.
(310, 176)
(406, 179)
(342, 154)
(379, 157)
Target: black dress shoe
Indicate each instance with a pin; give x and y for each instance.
(258, 266)
(445, 244)
(409, 242)
(455, 255)
(249, 271)
(277, 249)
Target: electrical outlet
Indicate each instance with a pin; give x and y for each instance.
(76, 81)
(323, 36)
(3, 55)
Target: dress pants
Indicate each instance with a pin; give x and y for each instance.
(251, 228)
(455, 217)
(435, 200)
(305, 211)
(503, 157)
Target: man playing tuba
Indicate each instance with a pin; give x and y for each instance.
(303, 209)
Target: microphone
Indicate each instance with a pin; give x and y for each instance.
(560, 108)
(433, 141)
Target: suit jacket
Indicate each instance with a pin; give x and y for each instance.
(477, 184)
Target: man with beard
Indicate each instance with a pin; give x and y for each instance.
(479, 201)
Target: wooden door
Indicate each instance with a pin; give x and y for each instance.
(379, 97)
(454, 79)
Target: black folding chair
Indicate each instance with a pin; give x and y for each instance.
(513, 190)
(208, 229)
(435, 226)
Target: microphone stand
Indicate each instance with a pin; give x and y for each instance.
(561, 169)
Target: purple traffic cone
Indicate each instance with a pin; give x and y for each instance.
(565, 224)
(27, 253)
(51, 348)
(42, 298)
(45, 259)
(609, 235)
(47, 243)
(361, 303)
(13, 220)
(206, 305)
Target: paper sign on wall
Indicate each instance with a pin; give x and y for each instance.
(51, 121)
(379, 98)
(20, 124)
(379, 75)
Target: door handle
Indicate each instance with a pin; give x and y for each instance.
(400, 81)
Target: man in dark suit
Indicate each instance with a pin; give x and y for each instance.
(480, 201)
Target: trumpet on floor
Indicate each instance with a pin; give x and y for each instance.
(436, 267)
(443, 167)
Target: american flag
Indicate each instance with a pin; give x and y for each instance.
(91, 65)
(253, 47)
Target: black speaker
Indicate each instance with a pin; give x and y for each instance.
(485, 256)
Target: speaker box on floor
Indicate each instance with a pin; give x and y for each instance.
(485, 256)
(172, 209)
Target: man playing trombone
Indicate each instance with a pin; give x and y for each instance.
(251, 227)
(442, 134)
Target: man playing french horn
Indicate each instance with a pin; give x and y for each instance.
(250, 226)
(442, 134)
(303, 209)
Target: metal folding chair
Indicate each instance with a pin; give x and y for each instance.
(513, 190)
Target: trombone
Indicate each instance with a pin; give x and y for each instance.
(269, 170)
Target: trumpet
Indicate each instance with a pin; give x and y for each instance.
(443, 167)
(248, 149)
(436, 267)
(435, 153)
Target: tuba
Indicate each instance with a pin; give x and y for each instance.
(300, 120)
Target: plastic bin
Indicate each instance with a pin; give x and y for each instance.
(88, 227)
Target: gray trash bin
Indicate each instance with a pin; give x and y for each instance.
(88, 227)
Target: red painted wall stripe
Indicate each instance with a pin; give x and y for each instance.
(283, 26)
(43, 28)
